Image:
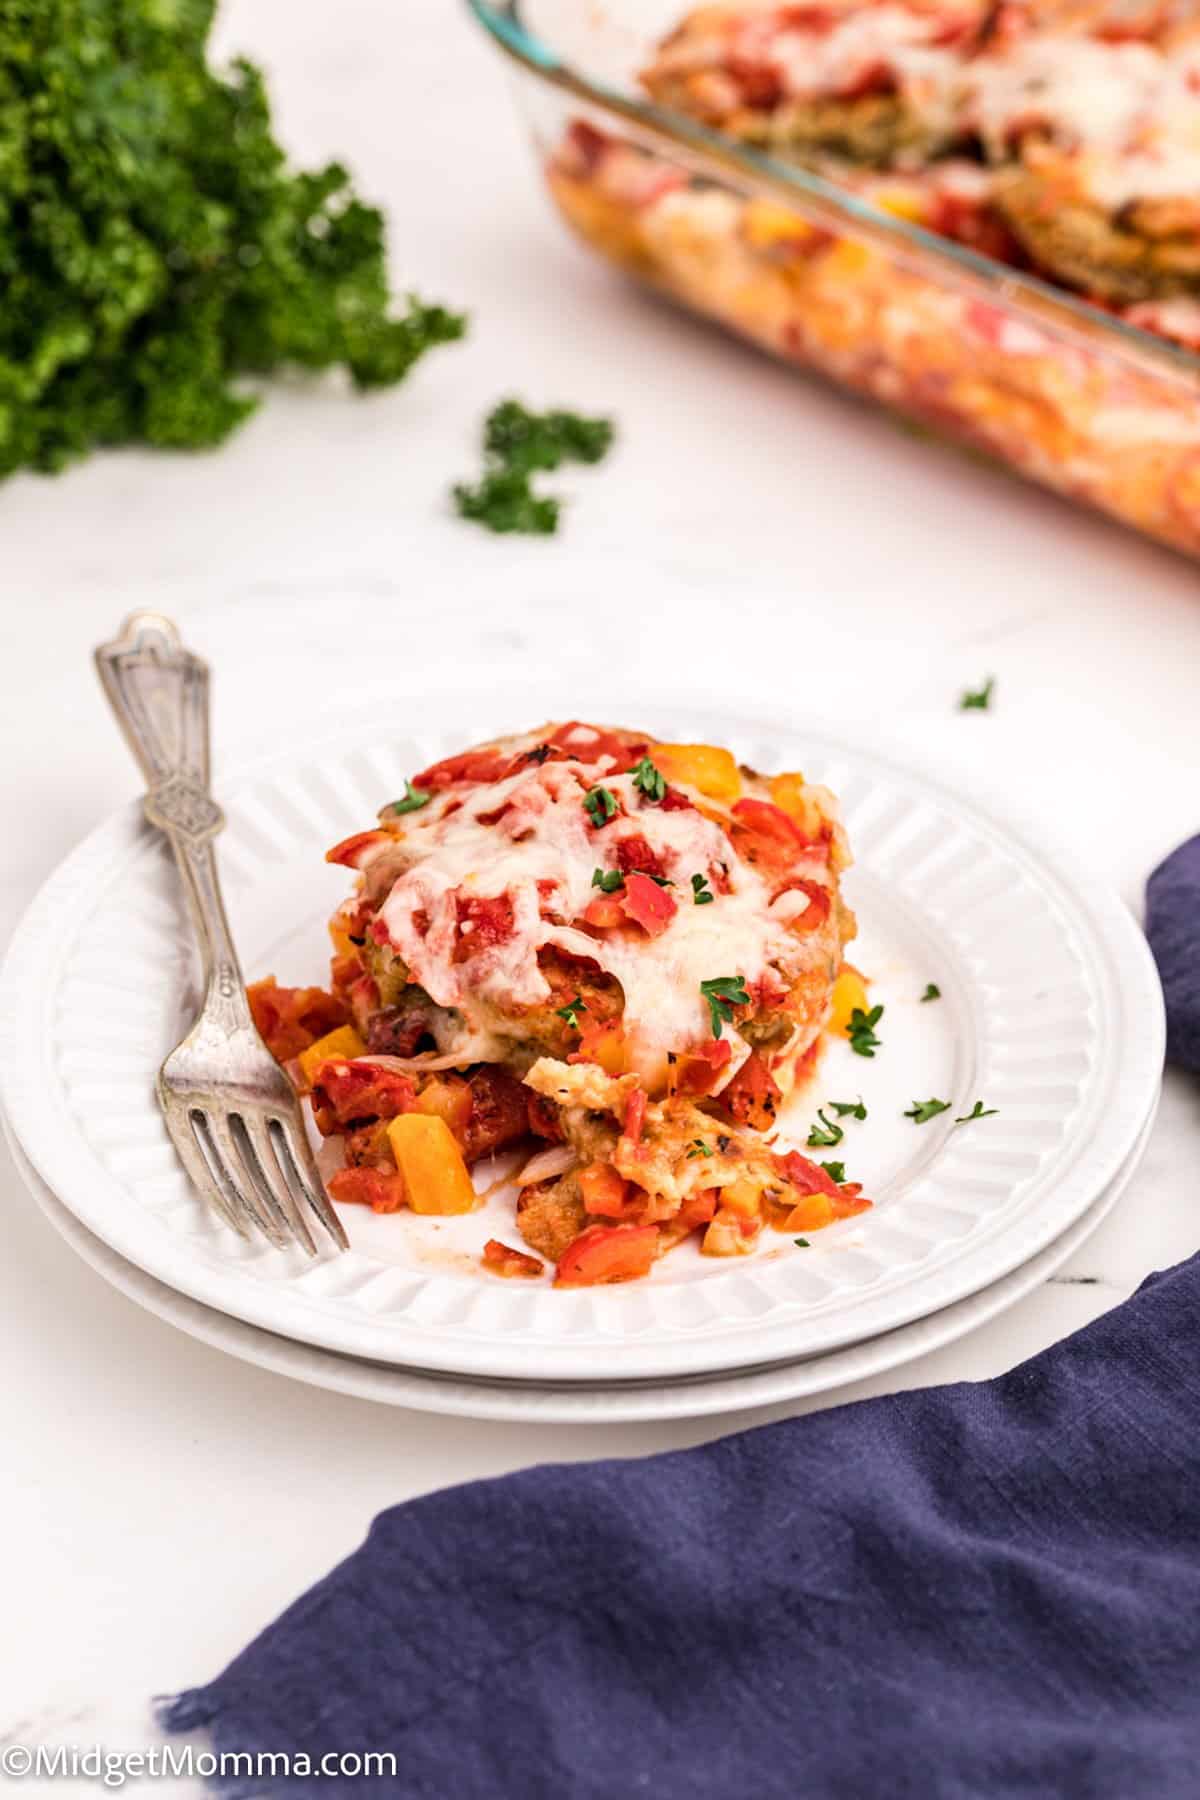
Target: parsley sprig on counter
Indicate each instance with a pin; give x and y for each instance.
(848, 1109)
(978, 699)
(932, 992)
(517, 443)
(156, 248)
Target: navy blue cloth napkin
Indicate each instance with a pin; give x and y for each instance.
(977, 1591)
(1173, 928)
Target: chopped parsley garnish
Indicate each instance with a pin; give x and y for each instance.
(836, 1171)
(516, 444)
(978, 699)
(504, 501)
(414, 799)
(723, 993)
(526, 440)
(824, 1136)
(571, 1011)
(802, 1243)
(702, 894)
(649, 781)
(932, 992)
(607, 880)
(699, 1148)
(861, 1031)
(600, 805)
(848, 1109)
(921, 1111)
(658, 880)
(978, 1111)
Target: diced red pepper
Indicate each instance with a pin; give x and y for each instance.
(354, 851)
(623, 747)
(696, 1073)
(635, 852)
(699, 1208)
(382, 1191)
(752, 1097)
(290, 1019)
(347, 1093)
(606, 1194)
(805, 1176)
(647, 904)
(605, 912)
(607, 1253)
(635, 1115)
(477, 766)
(502, 1259)
(820, 899)
(483, 921)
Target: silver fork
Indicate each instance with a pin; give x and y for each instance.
(232, 1113)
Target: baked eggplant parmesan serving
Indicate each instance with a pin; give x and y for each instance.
(614, 955)
(1058, 138)
(1086, 115)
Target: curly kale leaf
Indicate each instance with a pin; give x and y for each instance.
(154, 246)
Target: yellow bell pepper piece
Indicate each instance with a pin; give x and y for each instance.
(446, 1097)
(432, 1165)
(345, 1041)
(340, 938)
(743, 1198)
(849, 992)
(787, 791)
(766, 223)
(902, 202)
(790, 794)
(712, 771)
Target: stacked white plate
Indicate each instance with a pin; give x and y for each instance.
(1049, 1012)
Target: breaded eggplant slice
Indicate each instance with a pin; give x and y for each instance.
(1144, 250)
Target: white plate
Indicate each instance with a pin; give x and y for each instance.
(578, 1405)
(1051, 1012)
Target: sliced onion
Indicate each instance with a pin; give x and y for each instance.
(413, 1065)
(557, 1160)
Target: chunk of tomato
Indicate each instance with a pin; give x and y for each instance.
(381, 1190)
(607, 1253)
(753, 1095)
(355, 851)
(647, 904)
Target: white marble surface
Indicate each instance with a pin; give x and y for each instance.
(162, 1502)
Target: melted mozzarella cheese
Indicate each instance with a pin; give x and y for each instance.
(530, 839)
(1088, 94)
(815, 63)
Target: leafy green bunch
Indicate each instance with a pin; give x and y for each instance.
(154, 245)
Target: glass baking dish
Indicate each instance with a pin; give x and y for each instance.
(983, 354)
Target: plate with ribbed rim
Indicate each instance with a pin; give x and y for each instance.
(523, 1402)
(1050, 1012)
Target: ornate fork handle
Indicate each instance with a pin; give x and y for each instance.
(159, 693)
